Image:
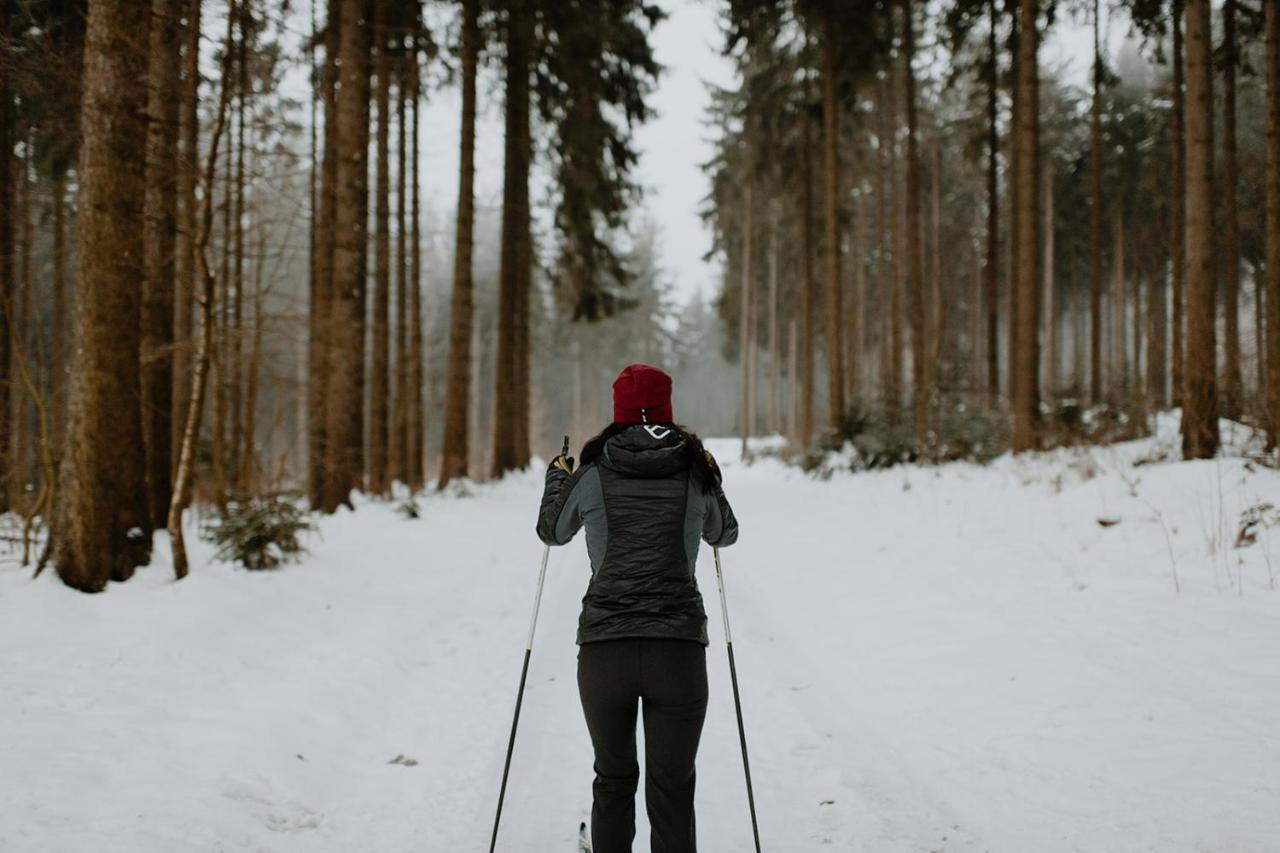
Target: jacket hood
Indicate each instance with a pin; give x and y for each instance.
(645, 450)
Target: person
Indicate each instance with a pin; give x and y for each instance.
(646, 492)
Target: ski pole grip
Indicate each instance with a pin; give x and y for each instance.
(565, 450)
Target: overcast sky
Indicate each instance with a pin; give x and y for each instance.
(675, 143)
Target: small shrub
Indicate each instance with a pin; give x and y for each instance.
(259, 531)
(408, 509)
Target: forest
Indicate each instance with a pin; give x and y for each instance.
(224, 287)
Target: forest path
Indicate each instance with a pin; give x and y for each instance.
(954, 659)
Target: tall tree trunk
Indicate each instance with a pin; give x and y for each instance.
(1026, 402)
(1118, 379)
(746, 323)
(897, 214)
(398, 457)
(921, 390)
(515, 228)
(1178, 203)
(1157, 384)
(417, 413)
(187, 206)
(60, 294)
(885, 231)
(831, 186)
(345, 363)
(380, 376)
(1231, 385)
(235, 368)
(102, 495)
(1200, 397)
(6, 243)
(1050, 306)
(320, 321)
(857, 359)
(991, 271)
(185, 474)
(805, 428)
(159, 238)
(775, 374)
(454, 461)
(1272, 269)
(1095, 218)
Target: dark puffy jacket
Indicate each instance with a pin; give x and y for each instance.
(645, 511)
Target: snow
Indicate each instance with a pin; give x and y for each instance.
(931, 659)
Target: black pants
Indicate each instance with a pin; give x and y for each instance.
(670, 676)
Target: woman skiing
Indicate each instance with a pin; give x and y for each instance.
(646, 491)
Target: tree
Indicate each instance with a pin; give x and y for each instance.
(1272, 39)
(159, 239)
(1200, 398)
(6, 242)
(1231, 381)
(1026, 394)
(344, 393)
(455, 462)
(380, 378)
(920, 341)
(1095, 217)
(831, 210)
(514, 272)
(102, 502)
(1178, 203)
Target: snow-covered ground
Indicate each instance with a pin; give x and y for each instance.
(948, 659)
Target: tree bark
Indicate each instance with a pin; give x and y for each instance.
(775, 374)
(831, 183)
(102, 497)
(920, 384)
(1095, 219)
(1157, 377)
(320, 320)
(6, 244)
(1272, 269)
(1026, 402)
(1177, 203)
(185, 474)
(187, 207)
(60, 302)
(398, 456)
(417, 413)
(512, 273)
(345, 363)
(991, 272)
(1050, 306)
(380, 375)
(805, 428)
(1200, 397)
(235, 342)
(454, 461)
(1231, 384)
(160, 233)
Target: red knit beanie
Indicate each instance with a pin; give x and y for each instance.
(642, 394)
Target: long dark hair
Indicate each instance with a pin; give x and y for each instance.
(707, 476)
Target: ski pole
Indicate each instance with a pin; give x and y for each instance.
(737, 702)
(524, 672)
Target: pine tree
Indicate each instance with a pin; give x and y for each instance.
(101, 507)
(1200, 397)
(455, 462)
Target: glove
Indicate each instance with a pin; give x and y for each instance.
(564, 463)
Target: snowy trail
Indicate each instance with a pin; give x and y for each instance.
(957, 659)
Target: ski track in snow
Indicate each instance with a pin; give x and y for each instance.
(948, 659)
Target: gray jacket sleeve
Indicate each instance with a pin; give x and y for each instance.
(720, 529)
(560, 515)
